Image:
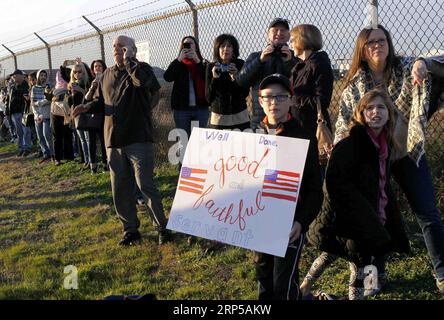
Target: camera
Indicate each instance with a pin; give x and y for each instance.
(187, 45)
(277, 50)
(224, 68)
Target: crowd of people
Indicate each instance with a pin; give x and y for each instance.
(380, 133)
(34, 111)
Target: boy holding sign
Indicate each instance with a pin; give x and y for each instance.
(278, 277)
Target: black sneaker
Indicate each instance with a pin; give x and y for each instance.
(130, 239)
(20, 154)
(164, 236)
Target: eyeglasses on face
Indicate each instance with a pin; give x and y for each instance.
(373, 43)
(278, 97)
(77, 71)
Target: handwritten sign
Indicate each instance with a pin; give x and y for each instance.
(239, 188)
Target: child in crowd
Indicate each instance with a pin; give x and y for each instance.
(278, 277)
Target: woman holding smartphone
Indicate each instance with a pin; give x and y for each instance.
(188, 97)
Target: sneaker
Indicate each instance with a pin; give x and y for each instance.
(57, 163)
(164, 236)
(130, 239)
(20, 154)
(93, 170)
(440, 285)
(140, 202)
(321, 295)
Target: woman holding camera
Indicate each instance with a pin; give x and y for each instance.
(188, 97)
(226, 97)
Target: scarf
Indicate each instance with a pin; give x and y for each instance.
(198, 80)
(265, 124)
(380, 143)
(411, 102)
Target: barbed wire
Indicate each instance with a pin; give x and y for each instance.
(125, 11)
(147, 14)
(110, 8)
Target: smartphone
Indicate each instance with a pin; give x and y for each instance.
(187, 45)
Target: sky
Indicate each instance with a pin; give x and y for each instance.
(416, 25)
(36, 16)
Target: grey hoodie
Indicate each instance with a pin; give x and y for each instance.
(40, 102)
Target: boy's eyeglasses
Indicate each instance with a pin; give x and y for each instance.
(278, 98)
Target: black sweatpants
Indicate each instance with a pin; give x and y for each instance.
(62, 138)
(279, 277)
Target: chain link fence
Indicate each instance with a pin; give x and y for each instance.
(417, 28)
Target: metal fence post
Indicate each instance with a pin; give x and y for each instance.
(48, 48)
(373, 14)
(99, 32)
(13, 54)
(195, 20)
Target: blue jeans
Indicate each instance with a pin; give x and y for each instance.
(84, 140)
(44, 134)
(24, 142)
(183, 119)
(417, 185)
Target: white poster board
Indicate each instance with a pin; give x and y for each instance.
(239, 188)
(143, 51)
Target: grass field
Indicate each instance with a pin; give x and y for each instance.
(52, 217)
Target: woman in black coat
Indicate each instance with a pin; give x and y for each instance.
(226, 97)
(188, 97)
(359, 218)
(312, 76)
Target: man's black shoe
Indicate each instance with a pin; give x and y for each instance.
(130, 239)
(164, 236)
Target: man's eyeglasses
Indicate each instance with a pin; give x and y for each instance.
(373, 43)
(278, 98)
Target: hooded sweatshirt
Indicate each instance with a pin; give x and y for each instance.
(40, 101)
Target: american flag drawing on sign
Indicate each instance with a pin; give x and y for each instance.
(281, 185)
(192, 180)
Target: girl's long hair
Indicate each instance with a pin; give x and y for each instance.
(358, 114)
(85, 81)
